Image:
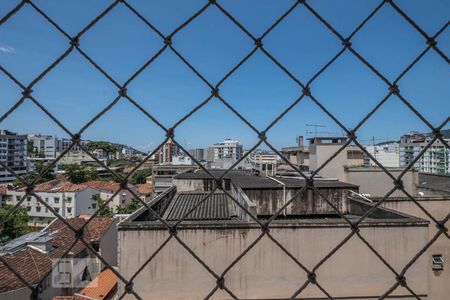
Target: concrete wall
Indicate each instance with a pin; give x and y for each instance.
(266, 272)
(438, 207)
(83, 202)
(109, 244)
(318, 154)
(187, 185)
(377, 183)
(307, 203)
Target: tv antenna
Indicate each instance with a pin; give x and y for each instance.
(316, 129)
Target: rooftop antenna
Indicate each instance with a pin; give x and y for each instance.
(315, 131)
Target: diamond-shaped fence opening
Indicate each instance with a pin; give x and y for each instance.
(225, 90)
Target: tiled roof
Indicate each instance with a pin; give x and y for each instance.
(102, 287)
(104, 185)
(30, 263)
(145, 188)
(65, 236)
(216, 207)
(58, 185)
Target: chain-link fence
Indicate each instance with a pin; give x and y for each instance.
(75, 44)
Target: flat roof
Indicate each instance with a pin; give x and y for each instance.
(247, 180)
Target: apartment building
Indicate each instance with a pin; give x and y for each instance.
(310, 157)
(67, 199)
(435, 160)
(388, 154)
(13, 154)
(322, 148)
(199, 154)
(228, 149)
(264, 163)
(107, 190)
(224, 154)
(165, 154)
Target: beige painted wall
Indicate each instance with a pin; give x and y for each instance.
(266, 272)
(375, 182)
(439, 208)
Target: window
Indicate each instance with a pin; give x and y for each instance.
(56, 209)
(94, 205)
(18, 198)
(28, 199)
(56, 200)
(69, 210)
(38, 209)
(46, 200)
(437, 262)
(28, 208)
(69, 199)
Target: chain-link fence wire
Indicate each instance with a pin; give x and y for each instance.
(393, 90)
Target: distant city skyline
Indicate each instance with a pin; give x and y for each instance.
(75, 91)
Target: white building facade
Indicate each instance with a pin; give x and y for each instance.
(69, 202)
(387, 154)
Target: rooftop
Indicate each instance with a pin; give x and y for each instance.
(247, 180)
(435, 182)
(217, 207)
(32, 263)
(219, 211)
(102, 287)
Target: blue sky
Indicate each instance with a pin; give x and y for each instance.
(121, 43)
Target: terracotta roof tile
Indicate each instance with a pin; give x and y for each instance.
(65, 236)
(58, 185)
(102, 287)
(30, 263)
(145, 188)
(104, 185)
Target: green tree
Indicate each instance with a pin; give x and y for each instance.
(140, 176)
(78, 174)
(30, 149)
(105, 211)
(16, 225)
(108, 148)
(130, 207)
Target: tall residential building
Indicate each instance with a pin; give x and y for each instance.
(388, 154)
(228, 149)
(165, 154)
(44, 146)
(435, 160)
(198, 154)
(226, 153)
(13, 153)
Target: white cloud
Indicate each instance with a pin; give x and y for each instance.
(7, 49)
